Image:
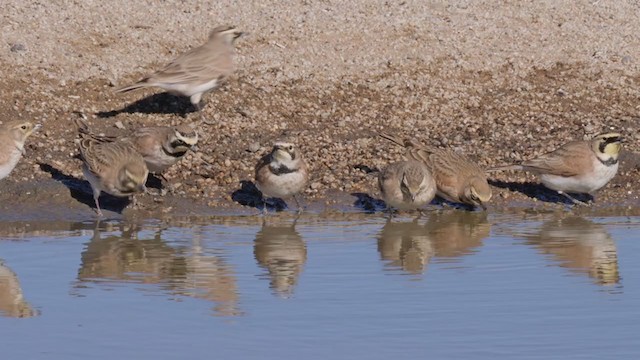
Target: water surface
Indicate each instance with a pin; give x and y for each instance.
(451, 284)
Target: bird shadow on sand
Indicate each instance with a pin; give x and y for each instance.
(539, 191)
(154, 182)
(81, 191)
(162, 103)
(249, 195)
(368, 203)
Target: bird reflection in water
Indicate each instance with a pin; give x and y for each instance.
(580, 245)
(186, 269)
(280, 250)
(410, 246)
(405, 245)
(12, 302)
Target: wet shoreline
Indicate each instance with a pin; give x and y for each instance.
(51, 200)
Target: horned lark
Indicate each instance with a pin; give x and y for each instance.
(13, 135)
(576, 167)
(406, 185)
(197, 71)
(458, 179)
(114, 167)
(282, 172)
(163, 146)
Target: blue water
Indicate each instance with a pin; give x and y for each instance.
(452, 285)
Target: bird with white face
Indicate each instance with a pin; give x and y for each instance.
(579, 167)
(163, 146)
(282, 173)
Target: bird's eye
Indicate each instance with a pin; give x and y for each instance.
(23, 127)
(290, 148)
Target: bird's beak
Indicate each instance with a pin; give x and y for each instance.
(483, 206)
(37, 127)
(142, 188)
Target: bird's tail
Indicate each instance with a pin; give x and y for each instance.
(134, 86)
(394, 139)
(505, 168)
(81, 125)
(85, 133)
(414, 150)
(407, 143)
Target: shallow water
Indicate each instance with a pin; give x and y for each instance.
(453, 284)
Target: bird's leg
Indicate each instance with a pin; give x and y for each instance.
(574, 200)
(160, 192)
(300, 209)
(196, 102)
(390, 213)
(163, 179)
(264, 206)
(201, 117)
(293, 226)
(165, 185)
(95, 199)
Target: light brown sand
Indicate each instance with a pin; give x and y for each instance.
(501, 81)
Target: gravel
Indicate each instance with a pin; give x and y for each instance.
(499, 81)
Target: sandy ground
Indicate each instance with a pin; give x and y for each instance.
(500, 81)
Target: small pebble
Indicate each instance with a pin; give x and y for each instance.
(17, 47)
(254, 147)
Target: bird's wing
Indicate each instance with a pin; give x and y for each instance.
(569, 160)
(199, 65)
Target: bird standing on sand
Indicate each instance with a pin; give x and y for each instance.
(282, 172)
(114, 167)
(458, 179)
(197, 71)
(163, 146)
(576, 167)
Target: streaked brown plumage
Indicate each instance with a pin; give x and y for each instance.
(458, 178)
(114, 167)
